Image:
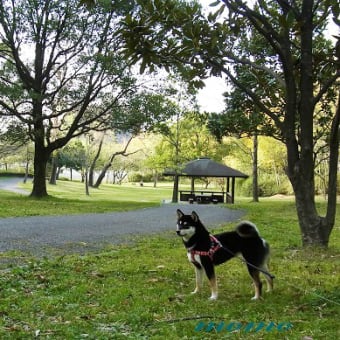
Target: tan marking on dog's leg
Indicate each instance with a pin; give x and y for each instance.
(213, 286)
(270, 283)
(199, 280)
(257, 285)
(269, 280)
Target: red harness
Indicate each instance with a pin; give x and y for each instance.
(215, 245)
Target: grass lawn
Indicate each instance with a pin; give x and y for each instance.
(69, 198)
(141, 290)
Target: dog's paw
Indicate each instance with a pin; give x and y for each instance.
(255, 298)
(197, 290)
(213, 297)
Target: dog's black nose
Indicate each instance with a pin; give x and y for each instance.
(178, 232)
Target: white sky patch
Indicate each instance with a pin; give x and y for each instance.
(210, 98)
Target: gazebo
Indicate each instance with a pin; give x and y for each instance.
(205, 167)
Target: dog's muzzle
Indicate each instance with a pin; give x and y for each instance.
(178, 230)
(184, 232)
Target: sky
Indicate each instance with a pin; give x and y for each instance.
(210, 98)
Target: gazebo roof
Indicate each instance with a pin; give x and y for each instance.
(205, 167)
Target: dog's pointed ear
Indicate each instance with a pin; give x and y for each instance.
(179, 213)
(195, 216)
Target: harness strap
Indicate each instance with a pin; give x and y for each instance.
(215, 245)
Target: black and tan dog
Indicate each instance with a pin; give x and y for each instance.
(206, 250)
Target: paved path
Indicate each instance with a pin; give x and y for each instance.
(91, 230)
(81, 233)
(11, 184)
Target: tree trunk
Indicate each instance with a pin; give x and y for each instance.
(53, 178)
(155, 178)
(329, 220)
(86, 177)
(102, 175)
(58, 172)
(175, 190)
(39, 180)
(26, 166)
(93, 164)
(314, 230)
(255, 168)
(109, 163)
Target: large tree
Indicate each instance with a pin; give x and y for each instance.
(301, 68)
(61, 74)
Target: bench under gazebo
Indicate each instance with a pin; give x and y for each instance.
(205, 167)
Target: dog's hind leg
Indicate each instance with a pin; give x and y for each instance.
(269, 280)
(255, 275)
(213, 286)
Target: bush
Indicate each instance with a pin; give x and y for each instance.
(244, 187)
(135, 177)
(268, 186)
(138, 177)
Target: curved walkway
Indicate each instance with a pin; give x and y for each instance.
(91, 231)
(11, 184)
(82, 233)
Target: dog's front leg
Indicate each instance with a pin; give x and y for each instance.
(199, 279)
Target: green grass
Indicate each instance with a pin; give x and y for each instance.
(69, 198)
(141, 290)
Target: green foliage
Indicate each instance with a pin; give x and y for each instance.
(271, 165)
(73, 155)
(14, 134)
(137, 177)
(269, 185)
(188, 139)
(172, 34)
(141, 289)
(240, 117)
(143, 112)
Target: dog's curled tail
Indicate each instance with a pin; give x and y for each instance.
(247, 229)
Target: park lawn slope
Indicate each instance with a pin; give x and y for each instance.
(69, 198)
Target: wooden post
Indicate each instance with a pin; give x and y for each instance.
(227, 189)
(233, 190)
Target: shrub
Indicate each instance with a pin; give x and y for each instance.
(268, 186)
